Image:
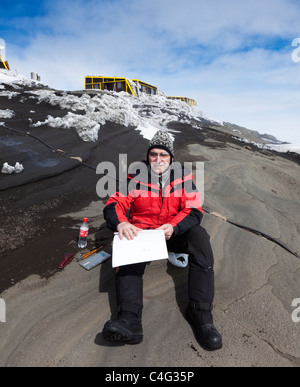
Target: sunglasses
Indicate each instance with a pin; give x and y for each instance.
(162, 155)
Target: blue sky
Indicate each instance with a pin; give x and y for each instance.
(233, 56)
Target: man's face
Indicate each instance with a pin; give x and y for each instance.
(159, 160)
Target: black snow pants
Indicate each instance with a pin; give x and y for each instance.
(196, 243)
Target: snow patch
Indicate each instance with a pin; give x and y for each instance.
(6, 113)
(8, 169)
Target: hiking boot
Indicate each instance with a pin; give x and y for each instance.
(126, 328)
(206, 334)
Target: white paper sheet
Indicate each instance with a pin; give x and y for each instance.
(149, 245)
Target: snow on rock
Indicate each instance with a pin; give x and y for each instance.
(86, 127)
(146, 113)
(6, 113)
(8, 169)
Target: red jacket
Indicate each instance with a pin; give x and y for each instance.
(152, 205)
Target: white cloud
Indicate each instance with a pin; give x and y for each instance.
(226, 22)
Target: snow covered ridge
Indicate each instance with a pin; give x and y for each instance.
(87, 112)
(146, 113)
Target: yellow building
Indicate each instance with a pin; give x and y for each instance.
(189, 101)
(3, 63)
(131, 86)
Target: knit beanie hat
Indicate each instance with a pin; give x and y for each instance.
(162, 140)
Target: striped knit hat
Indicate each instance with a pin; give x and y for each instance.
(162, 140)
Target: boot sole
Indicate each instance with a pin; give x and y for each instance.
(115, 335)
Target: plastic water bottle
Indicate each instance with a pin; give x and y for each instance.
(83, 234)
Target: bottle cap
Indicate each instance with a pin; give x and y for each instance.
(85, 219)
